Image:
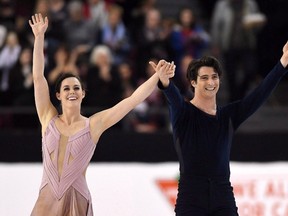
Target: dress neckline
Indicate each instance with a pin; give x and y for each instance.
(76, 134)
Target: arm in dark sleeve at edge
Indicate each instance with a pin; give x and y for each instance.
(249, 104)
(174, 98)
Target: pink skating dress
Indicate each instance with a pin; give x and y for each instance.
(65, 193)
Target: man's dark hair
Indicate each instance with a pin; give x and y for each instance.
(196, 64)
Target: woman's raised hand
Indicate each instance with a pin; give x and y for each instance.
(165, 70)
(38, 24)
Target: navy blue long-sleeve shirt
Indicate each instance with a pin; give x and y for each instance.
(203, 141)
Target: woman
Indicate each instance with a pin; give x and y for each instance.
(69, 139)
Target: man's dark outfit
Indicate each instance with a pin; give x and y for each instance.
(203, 144)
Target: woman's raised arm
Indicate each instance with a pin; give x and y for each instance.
(45, 109)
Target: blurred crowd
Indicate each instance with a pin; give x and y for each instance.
(109, 43)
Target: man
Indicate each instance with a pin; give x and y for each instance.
(203, 134)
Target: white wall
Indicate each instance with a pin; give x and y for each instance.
(132, 189)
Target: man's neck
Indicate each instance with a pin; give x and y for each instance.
(206, 105)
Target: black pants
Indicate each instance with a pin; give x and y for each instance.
(201, 196)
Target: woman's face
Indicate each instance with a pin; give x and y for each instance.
(71, 93)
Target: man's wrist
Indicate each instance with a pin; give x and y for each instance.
(162, 85)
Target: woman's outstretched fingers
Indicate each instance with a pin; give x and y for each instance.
(172, 66)
(153, 65)
(171, 70)
(160, 64)
(164, 68)
(33, 19)
(40, 18)
(37, 18)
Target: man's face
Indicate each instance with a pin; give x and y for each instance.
(207, 84)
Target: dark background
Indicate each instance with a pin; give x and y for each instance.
(119, 146)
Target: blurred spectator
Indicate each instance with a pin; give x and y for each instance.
(127, 79)
(21, 88)
(58, 14)
(128, 85)
(128, 8)
(103, 86)
(21, 81)
(138, 16)
(22, 26)
(9, 55)
(97, 11)
(3, 33)
(64, 62)
(114, 35)
(234, 34)
(27, 38)
(148, 117)
(8, 14)
(24, 10)
(188, 38)
(80, 34)
(167, 25)
(42, 6)
(78, 31)
(151, 42)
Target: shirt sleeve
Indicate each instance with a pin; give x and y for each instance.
(249, 104)
(174, 98)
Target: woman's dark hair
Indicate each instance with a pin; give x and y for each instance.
(63, 76)
(196, 64)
